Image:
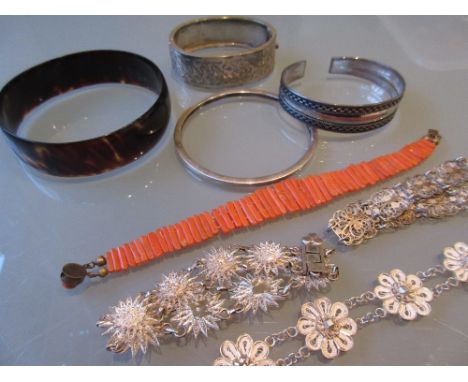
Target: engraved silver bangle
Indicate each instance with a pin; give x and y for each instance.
(253, 63)
(344, 118)
(205, 173)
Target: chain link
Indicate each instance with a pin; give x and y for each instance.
(371, 317)
(363, 299)
(431, 273)
(278, 338)
(293, 358)
(448, 284)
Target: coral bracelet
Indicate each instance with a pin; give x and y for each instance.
(267, 203)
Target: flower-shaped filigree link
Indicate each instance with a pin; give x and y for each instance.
(221, 266)
(176, 289)
(421, 186)
(438, 207)
(327, 327)
(456, 260)
(403, 294)
(450, 173)
(133, 325)
(245, 352)
(267, 258)
(460, 196)
(199, 316)
(387, 205)
(438, 193)
(225, 283)
(253, 293)
(353, 225)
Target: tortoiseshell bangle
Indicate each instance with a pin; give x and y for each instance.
(286, 197)
(93, 156)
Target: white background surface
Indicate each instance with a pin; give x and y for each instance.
(46, 222)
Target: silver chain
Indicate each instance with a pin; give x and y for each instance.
(431, 273)
(293, 358)
(360, 300)
(371, 317)
(278, 338)
(448, 284)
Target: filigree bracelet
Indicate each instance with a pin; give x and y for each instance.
(327, 327)
(438, 193)
(225, 283)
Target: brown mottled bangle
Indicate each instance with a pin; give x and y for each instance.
(93, 156)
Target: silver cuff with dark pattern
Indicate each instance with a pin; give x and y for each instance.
(344, 118)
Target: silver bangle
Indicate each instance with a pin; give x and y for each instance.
(251, 64)
(344, 118)
(199, 170)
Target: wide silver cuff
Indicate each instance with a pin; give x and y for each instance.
(344, 118)
(250, 64)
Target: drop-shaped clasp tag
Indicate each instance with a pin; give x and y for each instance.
(74, 274)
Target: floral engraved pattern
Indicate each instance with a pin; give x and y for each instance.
(327, 327)
(403, 294)
(214, 72)
(456, 260)
(245, 352)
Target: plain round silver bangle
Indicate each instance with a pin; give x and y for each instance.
(344, 118)
(207, 174)
(253, 63)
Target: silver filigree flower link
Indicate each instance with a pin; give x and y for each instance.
(253, 293)
(133, 325)
(327, 327)
(221, 266)
(422, 186)
(353, 225)
(226, 282)
(245, 352)
(438, 193)
(456, 260)
(176, 289)
(403, 294)
(450, 173)
(267, 259)
(200, 315)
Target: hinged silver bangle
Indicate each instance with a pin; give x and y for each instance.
(251, 64)
(344, 118)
